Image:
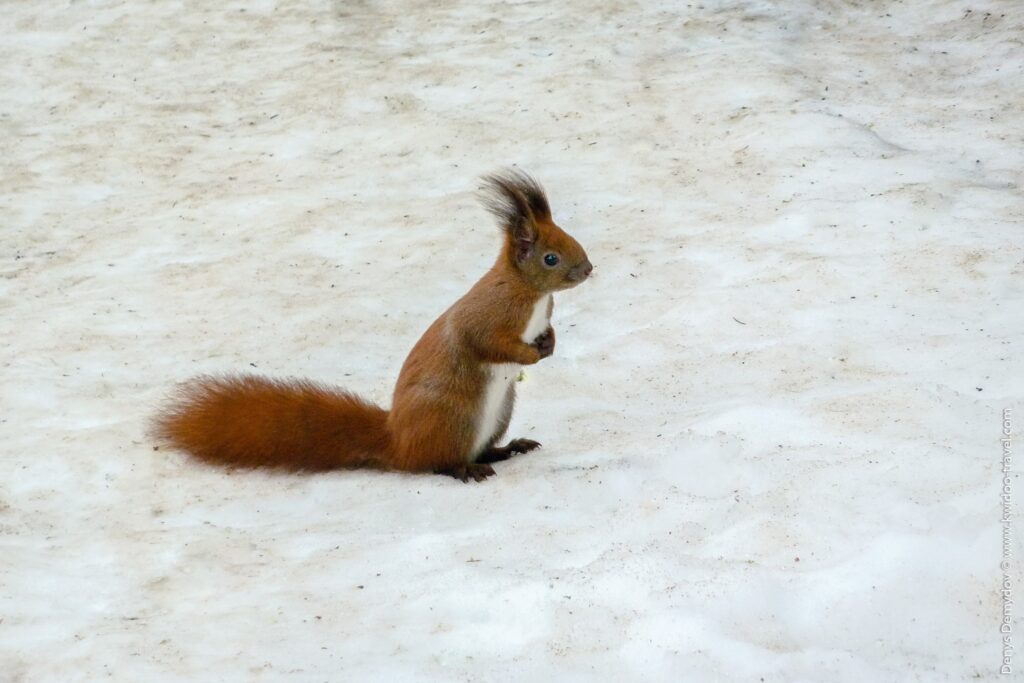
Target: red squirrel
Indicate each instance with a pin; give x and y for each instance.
(454, 396)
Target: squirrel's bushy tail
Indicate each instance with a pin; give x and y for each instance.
(249, 421)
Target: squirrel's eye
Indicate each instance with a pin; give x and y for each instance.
(551, 260)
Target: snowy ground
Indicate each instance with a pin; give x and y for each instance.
(771, 424)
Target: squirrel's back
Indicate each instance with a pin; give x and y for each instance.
(250, 421)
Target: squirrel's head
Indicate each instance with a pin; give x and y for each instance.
(544, 255)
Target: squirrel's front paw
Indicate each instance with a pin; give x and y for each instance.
(545, 343)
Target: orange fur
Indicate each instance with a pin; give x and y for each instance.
(250, 421)
(296, 424)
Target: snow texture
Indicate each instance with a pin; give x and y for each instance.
(771, 424)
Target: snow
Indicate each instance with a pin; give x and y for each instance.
(770, 425)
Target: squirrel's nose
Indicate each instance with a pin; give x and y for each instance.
(581, 272)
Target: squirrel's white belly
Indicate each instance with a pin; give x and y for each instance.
(502, 375)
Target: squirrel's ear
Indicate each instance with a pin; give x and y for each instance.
(518, 202)
(523, 237)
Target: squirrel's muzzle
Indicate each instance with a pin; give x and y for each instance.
(581, 271)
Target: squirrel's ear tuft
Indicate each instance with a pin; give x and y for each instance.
(514, 197)
(518, 202)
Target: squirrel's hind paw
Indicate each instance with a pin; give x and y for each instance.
(472, 470)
